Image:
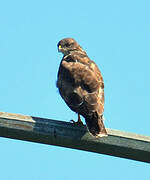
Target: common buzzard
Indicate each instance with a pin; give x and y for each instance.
(81, 85)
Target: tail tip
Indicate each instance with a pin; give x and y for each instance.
(100, 135)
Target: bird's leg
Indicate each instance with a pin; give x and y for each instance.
(79, 122)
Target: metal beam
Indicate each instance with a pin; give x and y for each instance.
(60, 133)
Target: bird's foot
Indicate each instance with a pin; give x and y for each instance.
(78, 123)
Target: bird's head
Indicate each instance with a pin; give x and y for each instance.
(67, 45)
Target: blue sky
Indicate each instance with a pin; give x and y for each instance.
(116, 35)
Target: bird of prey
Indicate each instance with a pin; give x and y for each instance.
(81, 85)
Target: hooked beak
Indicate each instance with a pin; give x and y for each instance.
(59, 48)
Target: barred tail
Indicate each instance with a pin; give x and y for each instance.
(95, 125)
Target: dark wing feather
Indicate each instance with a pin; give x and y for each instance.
(80, 79)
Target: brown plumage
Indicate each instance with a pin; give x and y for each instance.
(81, 85)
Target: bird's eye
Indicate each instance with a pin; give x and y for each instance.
(67, 44)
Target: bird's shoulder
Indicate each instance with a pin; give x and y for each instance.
(79, 69)
(81, 60)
